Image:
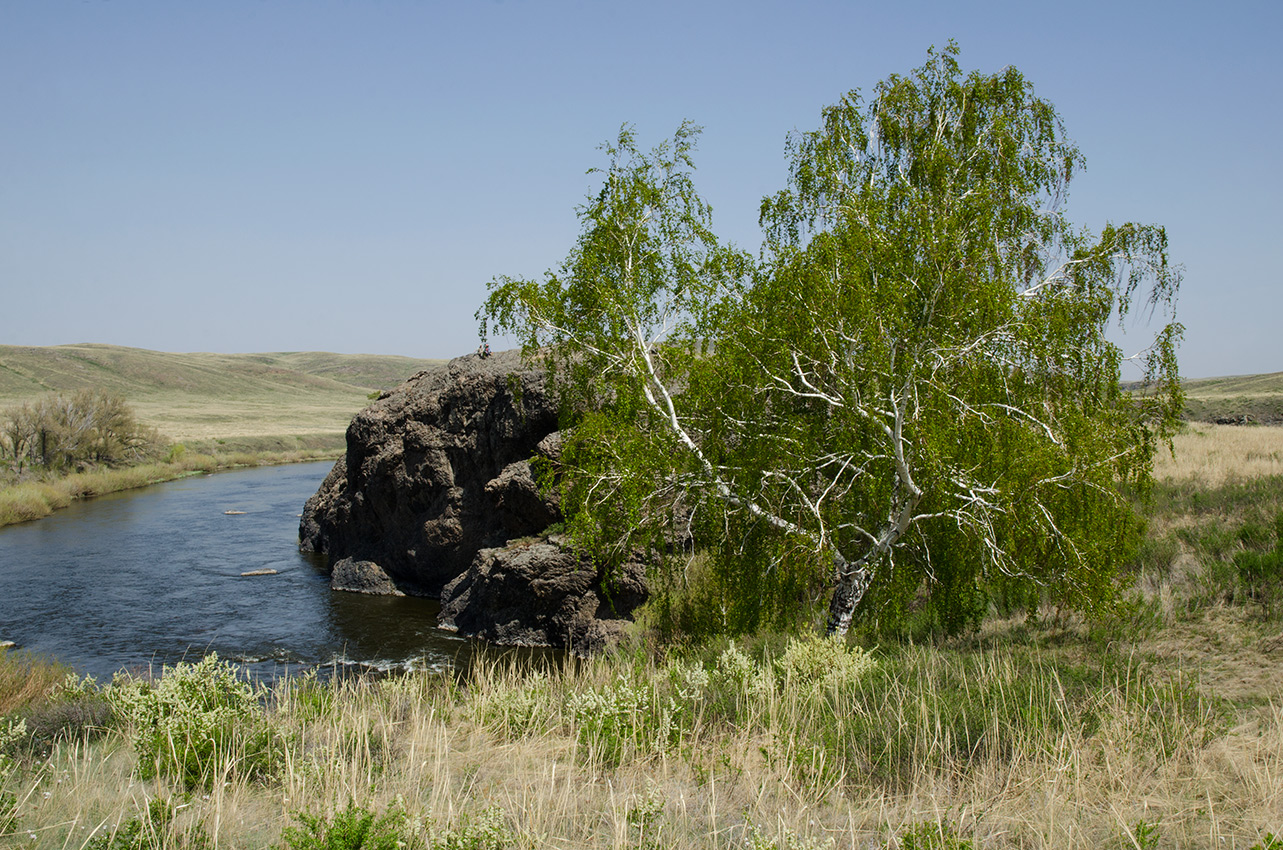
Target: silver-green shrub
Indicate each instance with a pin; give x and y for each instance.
(197, 721)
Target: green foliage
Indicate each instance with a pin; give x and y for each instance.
(910, 403)
(353, 828)
(521, 706)
(788, 840)
(77, 708)
(199, 721)
(1270, 842)
(1144, 836)
(626, 719)
(1260, 563)
(646, 821)
(931, 836)
(813, 662)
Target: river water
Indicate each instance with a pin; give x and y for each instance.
(150, 577)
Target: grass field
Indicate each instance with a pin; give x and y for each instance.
(1258, 398)
(205, 397)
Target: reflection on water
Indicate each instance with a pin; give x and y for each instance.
(153, 576)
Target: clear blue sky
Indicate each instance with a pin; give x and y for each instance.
(270, 175)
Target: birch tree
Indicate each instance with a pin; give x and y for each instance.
(910, 398)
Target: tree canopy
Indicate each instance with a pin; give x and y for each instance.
(908, 398)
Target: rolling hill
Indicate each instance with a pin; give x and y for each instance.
(1239, 398)
(203, 396)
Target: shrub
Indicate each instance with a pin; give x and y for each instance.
(623, 719)
(516, 706)
(12, 733)
(199, 718)
(931, 836)
(354, 828)
(813, 663)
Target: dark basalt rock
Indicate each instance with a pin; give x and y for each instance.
(542, 593)
(362, 577)
(411, 492)
(436, 481)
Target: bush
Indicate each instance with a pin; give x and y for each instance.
(65, 431)
(814, 663)
(354, 828)
(199, 719)
(931, 836)
(623, 719)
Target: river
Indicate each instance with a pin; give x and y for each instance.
(150, 577)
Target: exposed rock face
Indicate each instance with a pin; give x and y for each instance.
(542, 594)
(436, 481)
(426, 481)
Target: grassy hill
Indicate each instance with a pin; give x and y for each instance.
(199, 397)
(1259, 398)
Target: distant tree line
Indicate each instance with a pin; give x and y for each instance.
(64, 432)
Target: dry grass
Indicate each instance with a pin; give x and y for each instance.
(184, 418)
(1207, 456)
(1058, 763)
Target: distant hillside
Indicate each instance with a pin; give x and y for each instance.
(208, 396)
(1256, 398)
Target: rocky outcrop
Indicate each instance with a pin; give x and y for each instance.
(436, 481)
(542, 594)
(414, 494)
(355, 576)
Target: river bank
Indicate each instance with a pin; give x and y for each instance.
(27, 500)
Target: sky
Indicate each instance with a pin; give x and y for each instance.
(347, 175)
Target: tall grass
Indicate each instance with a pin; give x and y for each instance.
(807, 745)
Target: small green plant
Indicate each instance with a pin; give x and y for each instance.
(645, 820)
(1270, 842)
(931, 836)
(354, 828)
(625, 718)
(487, 830)
(518, 707)
(1143, 836)
(198, 719)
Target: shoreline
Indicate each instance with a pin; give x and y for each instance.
(28, 501)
